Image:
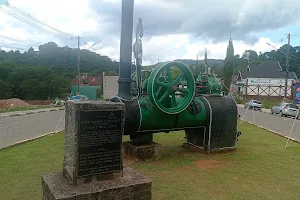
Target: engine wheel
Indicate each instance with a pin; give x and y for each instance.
(164, 83)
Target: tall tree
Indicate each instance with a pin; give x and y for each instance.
(228, 66)
(251, 53)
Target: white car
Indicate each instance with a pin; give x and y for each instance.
(253, 104)
(286, 109)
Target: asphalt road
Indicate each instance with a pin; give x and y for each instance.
(281, 125)
(19, 128)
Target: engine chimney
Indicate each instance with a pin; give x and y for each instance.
(126, 50)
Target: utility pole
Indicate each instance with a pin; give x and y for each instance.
(197, 71)
(78, 69)
(287, 65)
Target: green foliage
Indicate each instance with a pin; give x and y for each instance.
(32, 82)
(277, 55)
(268, 104)
(47, 74)
(99, 93)
(175, 72)
(229, 67)
(5, 89)
(251, 54)
(111, 73)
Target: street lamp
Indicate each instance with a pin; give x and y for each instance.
(286, 69)
(276, 49)
(78, 67)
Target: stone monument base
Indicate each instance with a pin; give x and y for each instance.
(206, 151)
(143, 152)
(131, 186)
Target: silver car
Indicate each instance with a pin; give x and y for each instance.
(285, 109)
(253, 104)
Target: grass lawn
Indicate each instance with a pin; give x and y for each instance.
(260, 168)
(25, 108)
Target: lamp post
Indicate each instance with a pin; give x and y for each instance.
(287, 64)
(78, 65)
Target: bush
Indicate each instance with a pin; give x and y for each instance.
(268, 104)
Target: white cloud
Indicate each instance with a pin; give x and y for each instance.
(171, 47)
(100, 26)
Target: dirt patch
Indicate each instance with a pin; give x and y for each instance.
(210, 164)
(39, 102)
(11, 103)
(183, 169)
(190, 148)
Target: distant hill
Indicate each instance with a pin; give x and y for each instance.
(61, 59)
(218, 63)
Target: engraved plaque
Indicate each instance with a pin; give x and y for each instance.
(99, 142)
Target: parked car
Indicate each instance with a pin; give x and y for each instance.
(286, 109)
(253, 104)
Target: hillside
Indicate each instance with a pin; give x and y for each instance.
(61, 59)
(218, 63)
(48, 72)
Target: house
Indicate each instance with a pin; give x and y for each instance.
(89, 86)
(110, 86)
(264, 81)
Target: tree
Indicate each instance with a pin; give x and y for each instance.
(252, 54)
(5, 89)
(228, 67)
(48, 72)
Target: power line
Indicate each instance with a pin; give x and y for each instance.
(17, 40)
(21, 15)
(296, 35)
(9, 46)
(29, 19)
(26, 21)
(37, 20)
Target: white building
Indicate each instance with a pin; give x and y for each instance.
(265, 81)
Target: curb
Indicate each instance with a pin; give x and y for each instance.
(274, 132)
(29, 112)
(31, 139)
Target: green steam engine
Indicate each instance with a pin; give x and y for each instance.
(170, 97)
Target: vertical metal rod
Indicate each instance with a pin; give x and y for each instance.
(78, 69)
(126, 50)
(287, 65)
(197, 71)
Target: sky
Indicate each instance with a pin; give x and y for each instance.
(173, 29)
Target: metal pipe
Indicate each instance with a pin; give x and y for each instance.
(78, 66)
(126, 50)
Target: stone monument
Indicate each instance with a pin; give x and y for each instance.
(92, 166)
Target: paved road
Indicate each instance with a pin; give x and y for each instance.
(281, 125)
(18, 128)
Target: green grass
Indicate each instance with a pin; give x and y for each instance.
(270, 104)
(260, 168)
(25, 108)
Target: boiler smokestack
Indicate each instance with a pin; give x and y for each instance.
(126, 50)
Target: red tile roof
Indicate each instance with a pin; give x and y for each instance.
(88, 81)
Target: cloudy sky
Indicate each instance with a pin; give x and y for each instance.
(172, 28)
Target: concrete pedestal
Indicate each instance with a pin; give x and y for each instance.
(93, 165)
(131, 186)
(143, 152)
